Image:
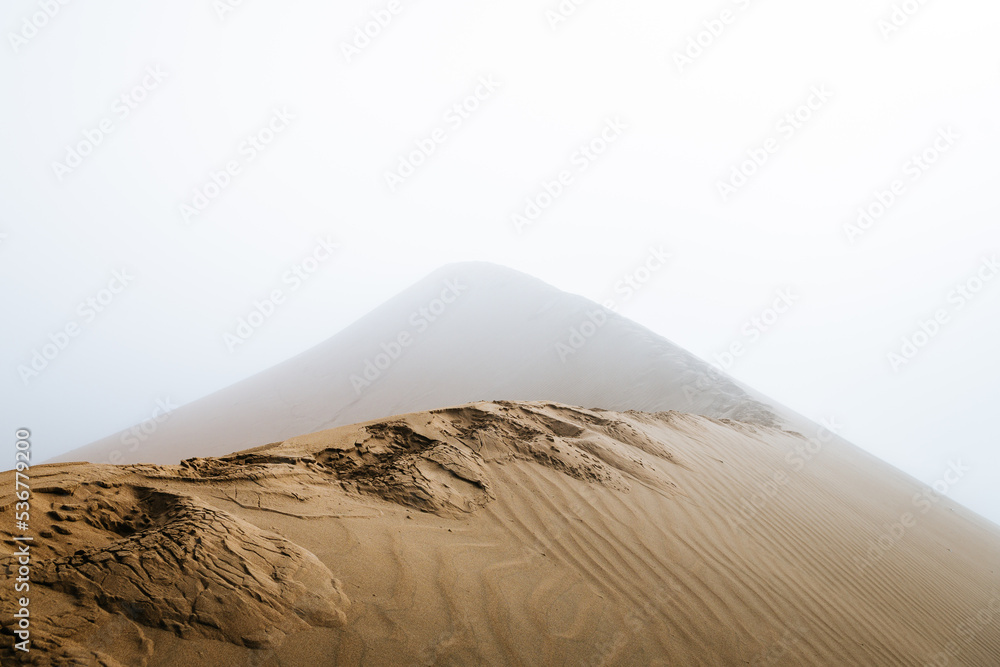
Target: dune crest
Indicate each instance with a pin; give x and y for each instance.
(512, 533)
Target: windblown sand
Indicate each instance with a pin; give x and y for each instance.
(511, 533)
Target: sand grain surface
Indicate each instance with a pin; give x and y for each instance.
(511, 533)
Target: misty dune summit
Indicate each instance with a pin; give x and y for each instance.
(466, 332)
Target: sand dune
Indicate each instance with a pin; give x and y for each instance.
(514, 533)
(467, 332)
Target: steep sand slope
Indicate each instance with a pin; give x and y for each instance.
(487, 332)
(512, 534)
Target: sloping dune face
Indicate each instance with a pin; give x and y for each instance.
(511, 533)
(487, 332)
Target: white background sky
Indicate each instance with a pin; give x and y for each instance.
(162, 337)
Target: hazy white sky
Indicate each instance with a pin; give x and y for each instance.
(201, 149)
